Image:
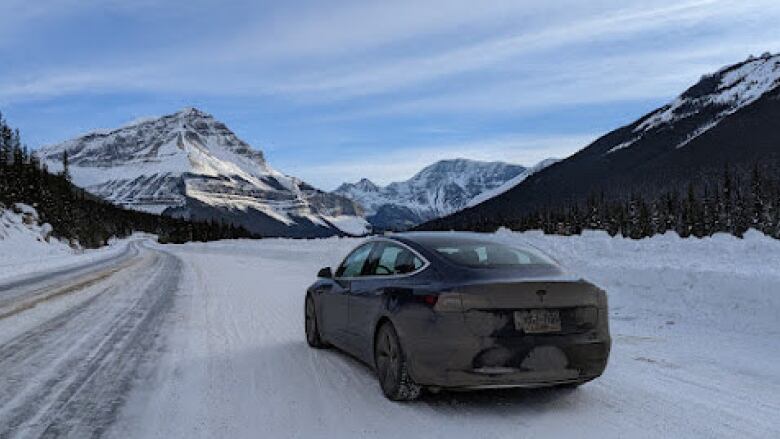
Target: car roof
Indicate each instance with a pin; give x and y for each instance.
(424, 238)
(429, 240)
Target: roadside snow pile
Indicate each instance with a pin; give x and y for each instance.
(756, 253)
(23, 237)
(714, 284)
(27, 246)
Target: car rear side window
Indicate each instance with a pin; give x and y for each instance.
(353, 264)
(490, 255)
(392, 259)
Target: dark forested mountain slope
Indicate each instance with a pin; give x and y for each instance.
(728, 119)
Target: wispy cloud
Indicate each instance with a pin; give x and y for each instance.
(250, 63)
(314, 73)
(403, 72)
(360, 79)
(639, 75)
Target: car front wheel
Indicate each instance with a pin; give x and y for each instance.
(391, 367)
(312, 328)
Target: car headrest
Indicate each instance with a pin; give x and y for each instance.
(404, 262)
(469, 257)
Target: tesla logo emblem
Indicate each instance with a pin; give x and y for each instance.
(541, 294)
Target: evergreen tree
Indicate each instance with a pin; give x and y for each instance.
(759, 219)
(66, 165)
(718, 206)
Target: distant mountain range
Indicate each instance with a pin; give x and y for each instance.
(439, 189)
(190, 165)
(729, 118)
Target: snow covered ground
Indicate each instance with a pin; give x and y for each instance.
(25, 248)
(206, 340)
(72, 342)
(695, 354)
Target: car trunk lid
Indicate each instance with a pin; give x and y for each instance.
(528, 294)
(498, 308)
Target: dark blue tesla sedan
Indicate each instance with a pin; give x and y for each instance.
(461, 311)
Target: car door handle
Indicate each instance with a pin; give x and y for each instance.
(366, 293)
(370, 293)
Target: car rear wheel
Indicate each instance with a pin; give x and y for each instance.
(312, 328)
(391, 366)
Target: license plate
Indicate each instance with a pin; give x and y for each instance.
(534, 321)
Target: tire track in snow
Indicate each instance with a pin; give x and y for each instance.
(69, 376)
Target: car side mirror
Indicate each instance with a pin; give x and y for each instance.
(325, 273)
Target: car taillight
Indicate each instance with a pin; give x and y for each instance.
(430, 299)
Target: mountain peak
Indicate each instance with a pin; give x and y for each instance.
(177, 142)
(438, 189)
(189, 164)
(192, 112)
(712, 99)
(458, 164)
(367, 184)
(362, 185)
(459, 170)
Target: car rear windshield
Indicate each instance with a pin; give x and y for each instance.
(490, 255)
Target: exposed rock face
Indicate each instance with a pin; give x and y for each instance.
(439, 189)
(191, 165)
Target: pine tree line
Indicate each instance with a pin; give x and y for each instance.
(728, 205)
(75, 214)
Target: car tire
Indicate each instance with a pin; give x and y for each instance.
(311, 326)
(391, 366)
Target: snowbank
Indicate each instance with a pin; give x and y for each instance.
(22, 237)
(756, 253)
(26, 246)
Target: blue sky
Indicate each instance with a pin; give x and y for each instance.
(337, 90)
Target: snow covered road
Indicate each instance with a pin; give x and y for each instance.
(696, 349)
(695, 354)
(73, 341)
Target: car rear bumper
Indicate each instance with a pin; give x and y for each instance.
(468, 361)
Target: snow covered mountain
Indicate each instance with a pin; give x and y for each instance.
(439, 189)
(713, 99)
(728, 119)
(512, 182)
(189, 164)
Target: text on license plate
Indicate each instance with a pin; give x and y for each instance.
(538, 320)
